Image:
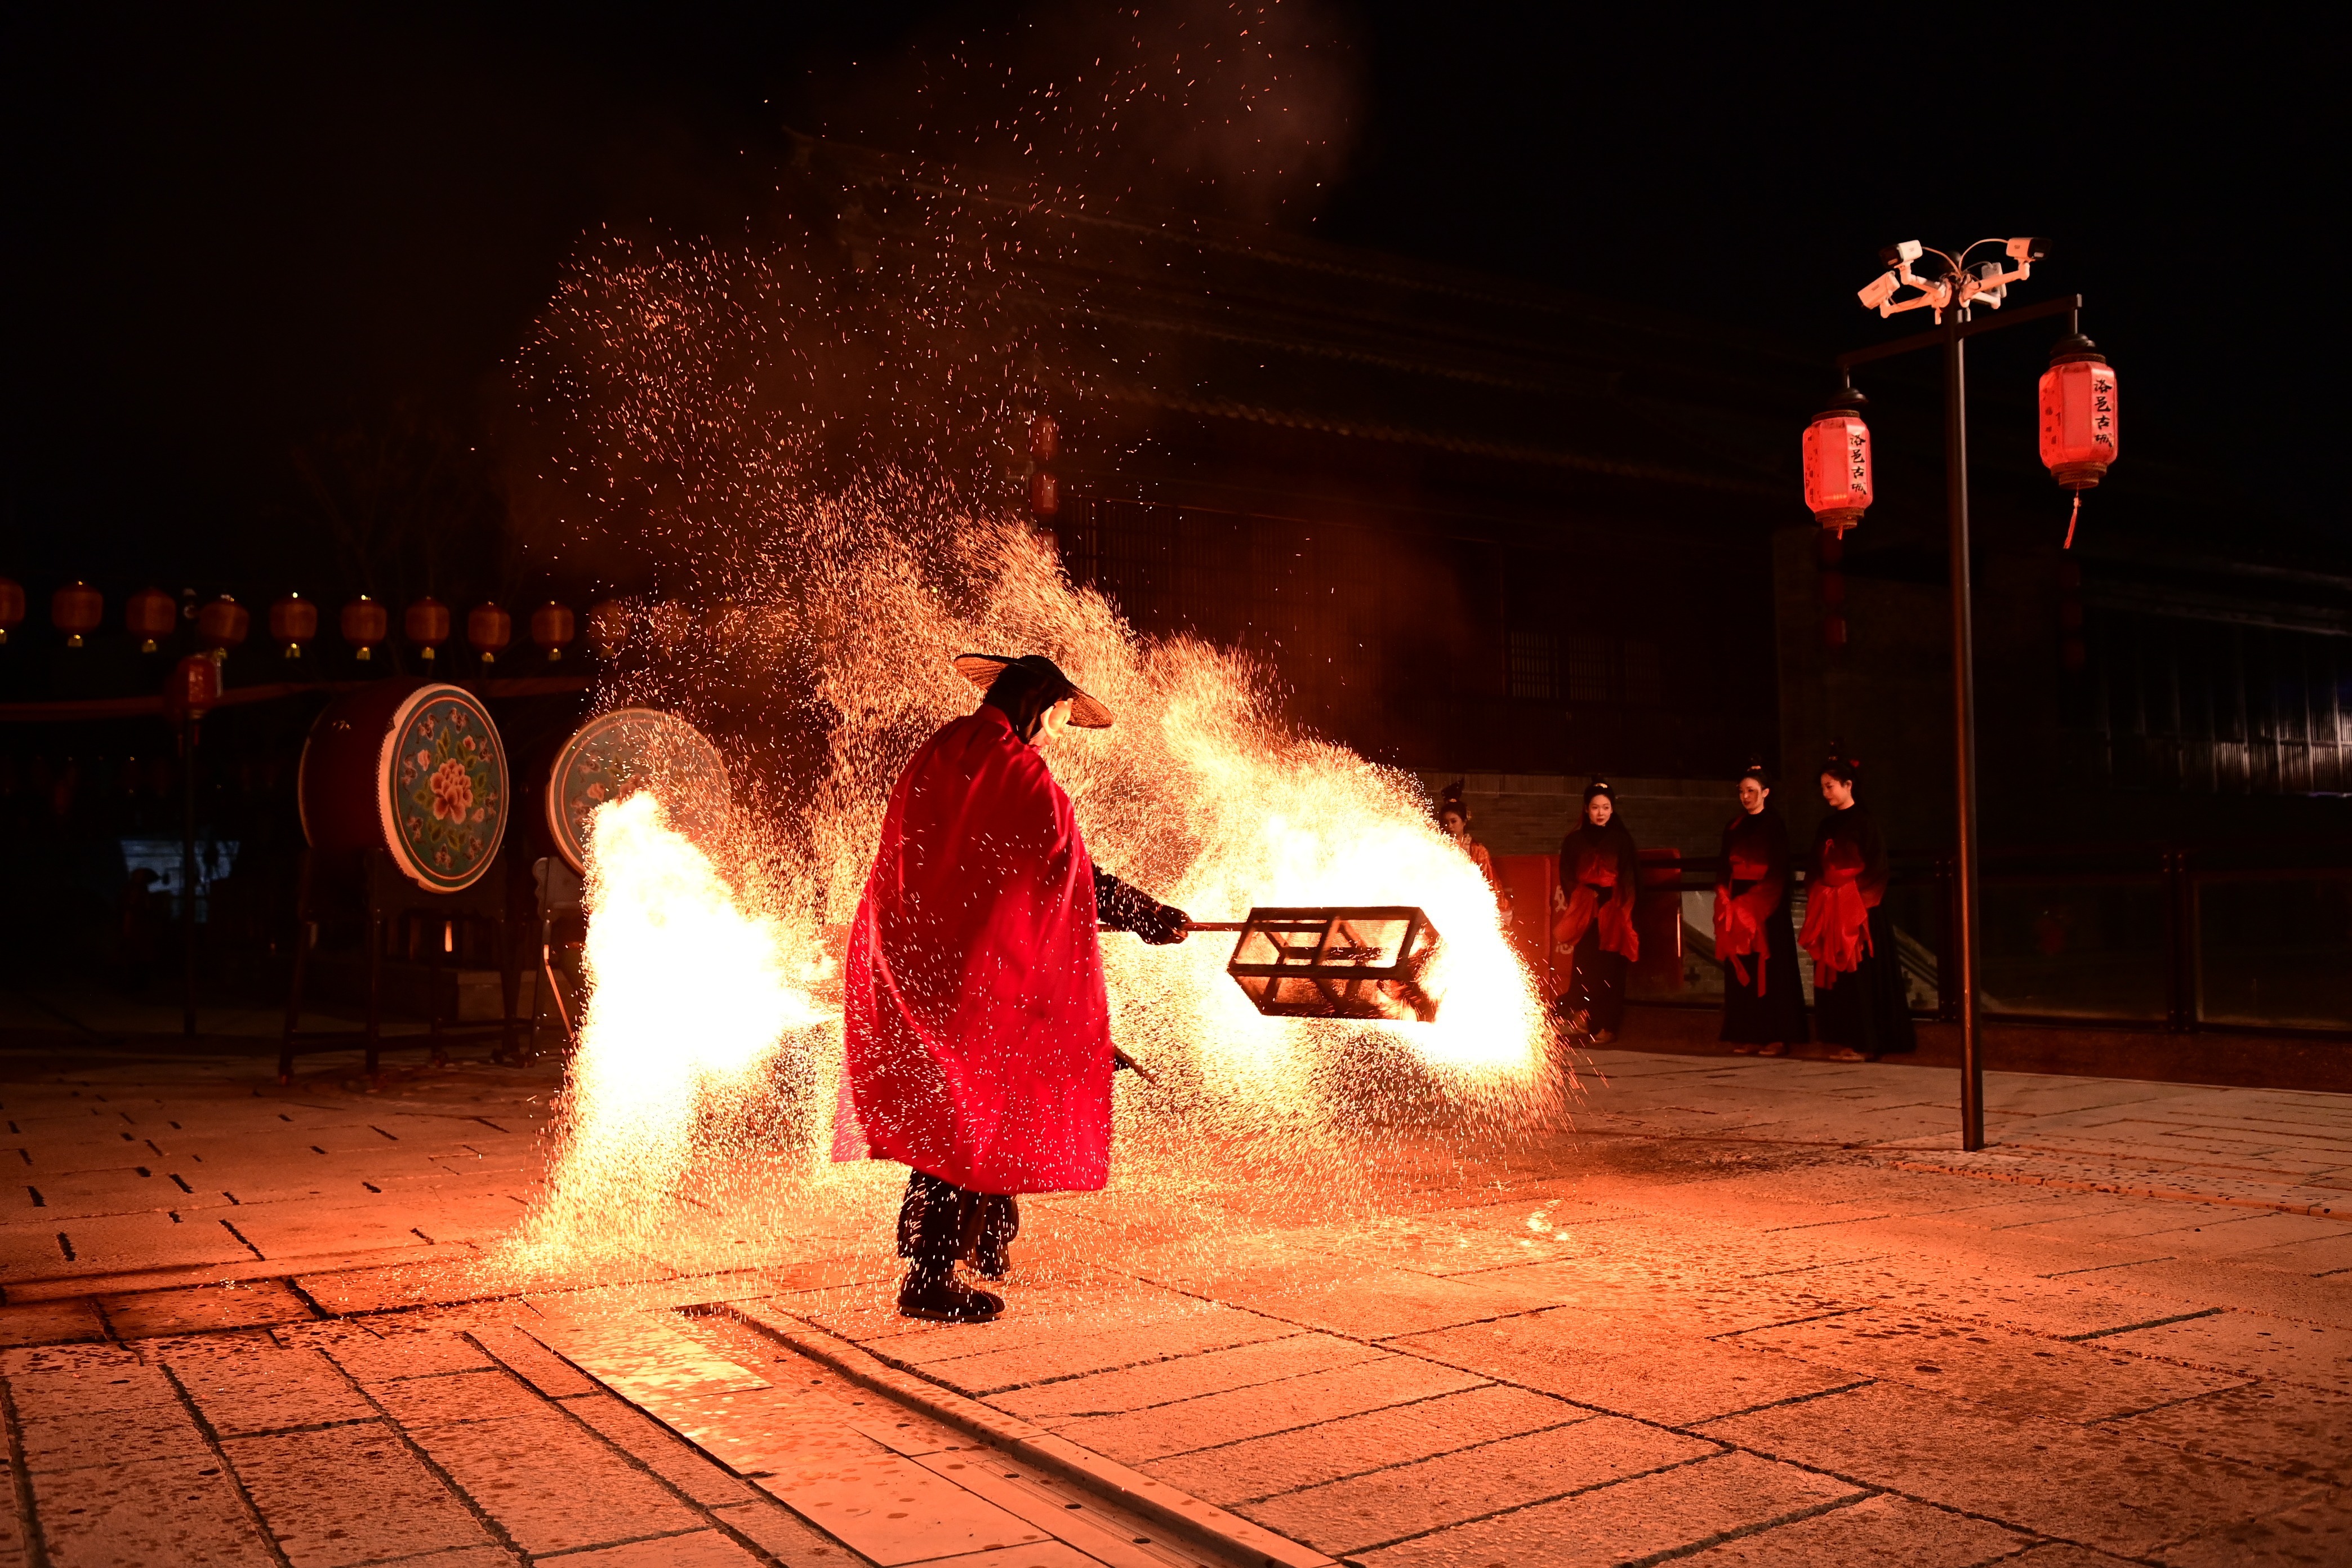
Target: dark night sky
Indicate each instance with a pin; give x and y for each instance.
(234, 231)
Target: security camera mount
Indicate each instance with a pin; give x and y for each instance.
(1958, 286)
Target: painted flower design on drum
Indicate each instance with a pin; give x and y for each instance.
(452, 781)
(453, 792)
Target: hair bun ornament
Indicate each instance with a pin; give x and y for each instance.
(1598, 787)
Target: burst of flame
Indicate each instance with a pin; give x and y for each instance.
(692, 994)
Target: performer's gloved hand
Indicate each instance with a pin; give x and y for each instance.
(1118, 906)
(1165, 925)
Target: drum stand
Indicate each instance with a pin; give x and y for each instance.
(560, 931)
(387, 901)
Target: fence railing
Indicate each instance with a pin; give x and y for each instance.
(2166, 938)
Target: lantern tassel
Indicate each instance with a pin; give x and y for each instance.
(2071, 519)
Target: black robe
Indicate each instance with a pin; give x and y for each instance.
(1767, 1007)
(1596, 986)
(1866, 1008)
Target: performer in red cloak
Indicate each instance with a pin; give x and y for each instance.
(1755, 940)
(978, 1031)
(1859, 1004)
(1600, 879)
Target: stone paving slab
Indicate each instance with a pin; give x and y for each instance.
(2080, 1485)
(1645, 1517)
(1258, 1469)
(1425, 1495)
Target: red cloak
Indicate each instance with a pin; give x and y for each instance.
(1591, 858)
(978, 1030)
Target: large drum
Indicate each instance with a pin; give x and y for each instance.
(616, 755)
(413, 769)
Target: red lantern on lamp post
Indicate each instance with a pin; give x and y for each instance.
(149, 614)
(193, 687)
(488, 629)
(552, 628)
(1044, 439)
(222, 624)
(76, 609)
(364, 623)
(426, 622)
(1954, 292)
(293, 621)
(2081, 433)
(12, 607)
(1837, 463)
(1045, 494)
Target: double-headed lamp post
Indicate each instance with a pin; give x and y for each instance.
(2079, 434)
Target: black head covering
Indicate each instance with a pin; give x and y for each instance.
(1846, 770)
(1450, 799)
(1755, 770)
(1599, 786)
(1024, 688)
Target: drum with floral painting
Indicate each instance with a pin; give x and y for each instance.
(415, 769)
(614, 756)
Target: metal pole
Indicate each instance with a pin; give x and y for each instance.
(1964, 737)
(188, 878)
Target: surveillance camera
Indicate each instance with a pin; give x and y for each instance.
(1902, 254)
(1880, 290)
(2028, 247)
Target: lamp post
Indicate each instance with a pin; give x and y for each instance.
(1953, 296)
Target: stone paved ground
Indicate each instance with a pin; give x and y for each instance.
(1748, 1312)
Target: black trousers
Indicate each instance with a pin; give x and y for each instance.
(1868, 1009)
(1597, 983)
(1778, 1016)
(940, 1222)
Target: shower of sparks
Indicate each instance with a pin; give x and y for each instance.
(807, 480)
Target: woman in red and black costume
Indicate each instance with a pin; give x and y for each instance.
(1755, 939)
(1859, 1005)
(1600, 879)
(976, 1023)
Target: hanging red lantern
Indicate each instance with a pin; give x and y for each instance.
(12, 607)
(608, 627)
(1837, 463)
(1044, 439)
(76, 609)
(293, 621)
(364, 623)
(426, 622)
(149, 614)
(222, 623)
(488, 629)
(552, 628)
(2080, 430)
(1045, 494)
(195, 686)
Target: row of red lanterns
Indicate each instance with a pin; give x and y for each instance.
(2081, 433)
(151, 615)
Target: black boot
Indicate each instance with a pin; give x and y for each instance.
(998, 1221)
(931, 1290)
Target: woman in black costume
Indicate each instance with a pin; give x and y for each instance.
(1755, 940)
(1859, 1005)
(1600, 879)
